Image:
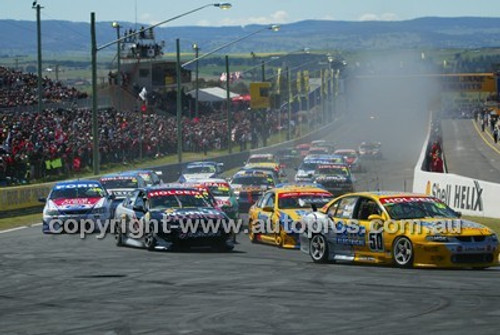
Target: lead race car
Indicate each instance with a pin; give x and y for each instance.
(400, 229)
(169, 218)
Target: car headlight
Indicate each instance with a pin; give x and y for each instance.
(437, 238)
(51, 212)
(99, 210)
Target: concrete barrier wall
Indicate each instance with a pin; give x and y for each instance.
(21, 197)
(469, 196)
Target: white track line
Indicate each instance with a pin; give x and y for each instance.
(19, 228)
(12, 229)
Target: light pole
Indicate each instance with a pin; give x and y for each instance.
(197, 85)
(179, 101)
(273, 27)
(38, 9)
(95, 49)
(117, 26)
(289, 96)
(228, 107)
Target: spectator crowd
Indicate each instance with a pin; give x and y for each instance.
(20, 89)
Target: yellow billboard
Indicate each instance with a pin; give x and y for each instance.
(468, 82)
(260, 95)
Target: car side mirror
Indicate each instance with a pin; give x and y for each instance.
(314, 207)
(111, 197)
(459, 214)
(268, 209)
(42, 200)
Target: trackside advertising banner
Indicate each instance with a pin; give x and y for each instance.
(466, 195)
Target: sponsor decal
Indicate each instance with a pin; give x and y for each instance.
(458, 196)
(77, 185)
(398, 200)
(164, 193)
(303, 194)
(83, 202)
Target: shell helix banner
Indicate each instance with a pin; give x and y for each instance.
(466, 195)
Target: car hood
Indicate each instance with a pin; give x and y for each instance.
(224, 202)
(193, 176)
(466, 227)
(338, 178)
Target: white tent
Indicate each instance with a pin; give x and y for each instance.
(212, 94)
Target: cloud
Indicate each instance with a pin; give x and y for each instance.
(280, 16)
(376, 17)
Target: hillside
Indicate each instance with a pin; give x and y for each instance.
(19, 37)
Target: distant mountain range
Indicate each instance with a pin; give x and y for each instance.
(64, 37)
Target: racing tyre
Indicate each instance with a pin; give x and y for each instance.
(279, 238)
(403, 252)
(318, 249)
(222, 246)
(251, 235)
(119, 236)
(150, 240)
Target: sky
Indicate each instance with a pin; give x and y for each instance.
(246, 12)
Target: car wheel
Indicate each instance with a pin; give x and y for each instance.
(222, 246)
(402, 252)
(119, 236)
(251, 235)
(150, 240)
(318, 249)
(279, 238)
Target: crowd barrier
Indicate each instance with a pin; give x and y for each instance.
(25, 197)
(469, 196)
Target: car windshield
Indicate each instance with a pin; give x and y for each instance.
(369, 146)
(308, 166)
(71, 192)
(303, 200)
(265, 159)
(177, 201)
(337, 171)
(146, 176)
(419, 209)
(199, 169)
(253, 180)
(120, 183)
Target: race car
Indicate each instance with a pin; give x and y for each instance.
(275, 169)
(336, 178)
(169, 218)
(370, 150)
(289, 157)
(303, 149)
(151, 177)
(223, 194)
(257, 159)
(401, 229)
(274, 219)
(318, 151)
(71, 202)
(200, 170)
(351, 158)
(305, 171)
(249, 187)
(121, 184)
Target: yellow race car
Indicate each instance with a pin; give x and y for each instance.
(400, 229)
(276, 217)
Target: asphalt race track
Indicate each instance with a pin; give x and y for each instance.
(63, 284)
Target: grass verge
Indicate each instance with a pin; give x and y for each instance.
(18, 221)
